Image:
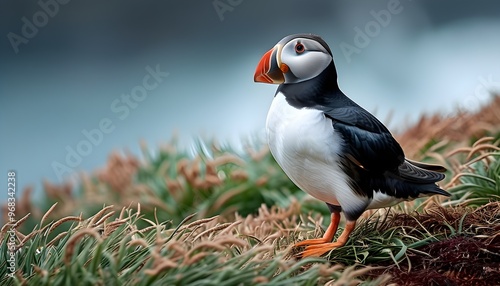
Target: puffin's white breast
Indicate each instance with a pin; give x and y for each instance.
(306, 146)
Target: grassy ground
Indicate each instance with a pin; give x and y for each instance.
(230, 218)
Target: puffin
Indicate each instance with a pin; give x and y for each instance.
(329, 146)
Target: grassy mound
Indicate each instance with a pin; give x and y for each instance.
(230, 218)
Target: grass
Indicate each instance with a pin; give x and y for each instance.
(478, 181)
(102, 251)
(223, 217)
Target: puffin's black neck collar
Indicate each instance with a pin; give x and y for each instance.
(318, 91)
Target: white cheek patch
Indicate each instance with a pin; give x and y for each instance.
(308, 65)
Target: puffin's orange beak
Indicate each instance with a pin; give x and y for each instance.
(267, 70)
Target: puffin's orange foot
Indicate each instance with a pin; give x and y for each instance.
(308, 243)
(320, 249)
(311, 242)
(329, 233)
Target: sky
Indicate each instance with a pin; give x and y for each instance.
(79, 79)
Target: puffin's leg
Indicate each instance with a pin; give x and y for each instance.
(319, 249)
(329, 234)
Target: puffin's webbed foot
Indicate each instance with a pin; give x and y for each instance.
(318, 247)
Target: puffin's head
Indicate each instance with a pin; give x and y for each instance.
(294, 59)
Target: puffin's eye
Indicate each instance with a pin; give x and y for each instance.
(299, 48)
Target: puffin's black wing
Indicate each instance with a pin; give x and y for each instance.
(370, 146)
(368, 143)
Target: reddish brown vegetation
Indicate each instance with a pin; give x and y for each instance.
(471, 256)
(461, 128)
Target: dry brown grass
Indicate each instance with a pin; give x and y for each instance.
(254, 240)
(458, 130)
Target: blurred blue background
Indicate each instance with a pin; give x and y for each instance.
(64, 65)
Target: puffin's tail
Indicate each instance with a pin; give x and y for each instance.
(423, 177)
(429, 190)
